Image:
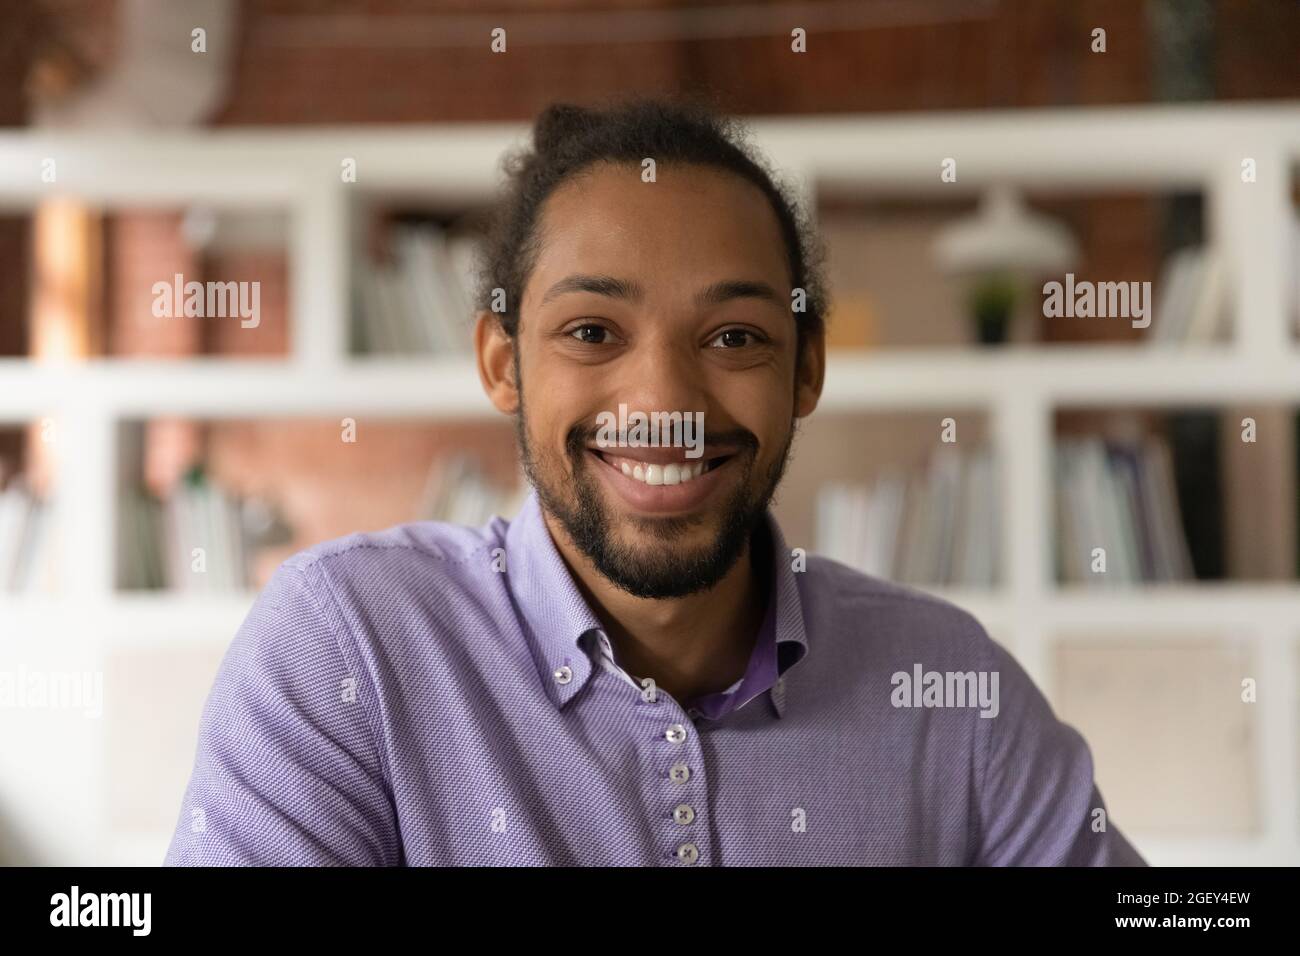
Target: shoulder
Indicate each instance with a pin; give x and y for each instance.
(423, 551)
(383, 586)
(844, 603)
(426, 542)
(365, 599)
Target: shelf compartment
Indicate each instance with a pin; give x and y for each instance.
(1137, 268)
(886, 493)
(1176, 750)
(1165, 496)
(82, 280)
(270, 487)
(413, 275)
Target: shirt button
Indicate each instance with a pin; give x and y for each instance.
(675, 734)
(688, 853)
(683, 814)
(679, 773)
(563, 674)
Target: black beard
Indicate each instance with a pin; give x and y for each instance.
(672, 574)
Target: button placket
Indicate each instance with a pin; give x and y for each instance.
(684, 791)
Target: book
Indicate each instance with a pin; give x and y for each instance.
(1124, 498)
(25, 538)
(419, 299)
(933, 526)
(1191, 298)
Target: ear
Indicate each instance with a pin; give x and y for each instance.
(811, 375)
(496, 363)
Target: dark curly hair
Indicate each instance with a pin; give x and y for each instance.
(568, 139)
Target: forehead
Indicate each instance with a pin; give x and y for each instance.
(693, 226)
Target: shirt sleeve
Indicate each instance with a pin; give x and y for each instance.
(1039, 804)
(287, 772)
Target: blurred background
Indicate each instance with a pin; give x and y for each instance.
(1114, 497)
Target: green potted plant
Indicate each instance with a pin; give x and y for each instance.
(992, 304)
(998, 252)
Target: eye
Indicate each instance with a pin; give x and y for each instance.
(590, 334)
(733, 339)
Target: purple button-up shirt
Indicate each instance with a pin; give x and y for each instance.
(433, 694)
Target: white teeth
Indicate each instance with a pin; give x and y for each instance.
(670, 474)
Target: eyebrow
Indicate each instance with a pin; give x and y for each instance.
(721, 292)
(599, 285)
(716, 294)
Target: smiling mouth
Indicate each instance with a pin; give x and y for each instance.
(667, 473)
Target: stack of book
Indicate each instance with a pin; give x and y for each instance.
(1191, 299)
(192, 541)
(24, 538)
(457, 491)
(938, 527)
(140, 561)
(1124, 499)
(420, 301)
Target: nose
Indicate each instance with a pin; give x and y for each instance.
(663, 375)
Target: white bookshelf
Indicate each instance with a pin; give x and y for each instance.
(1196, 148)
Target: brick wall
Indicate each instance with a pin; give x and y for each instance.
(299, 62)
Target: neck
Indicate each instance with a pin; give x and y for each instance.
(689, 646)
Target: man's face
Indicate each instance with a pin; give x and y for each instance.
(669, 296)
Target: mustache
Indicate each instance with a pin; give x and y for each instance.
(580, 436)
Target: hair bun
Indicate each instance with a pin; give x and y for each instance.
(559, 122)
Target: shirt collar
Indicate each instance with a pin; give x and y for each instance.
(760, 675)
(552, 610)
(786, 608)
(555, 616)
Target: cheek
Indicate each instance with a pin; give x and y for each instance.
(547, 415)
(765, 409)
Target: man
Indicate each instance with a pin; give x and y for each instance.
(638, 669)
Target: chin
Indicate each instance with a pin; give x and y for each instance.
(699, 527)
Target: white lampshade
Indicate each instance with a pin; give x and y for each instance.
(1005, 236)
